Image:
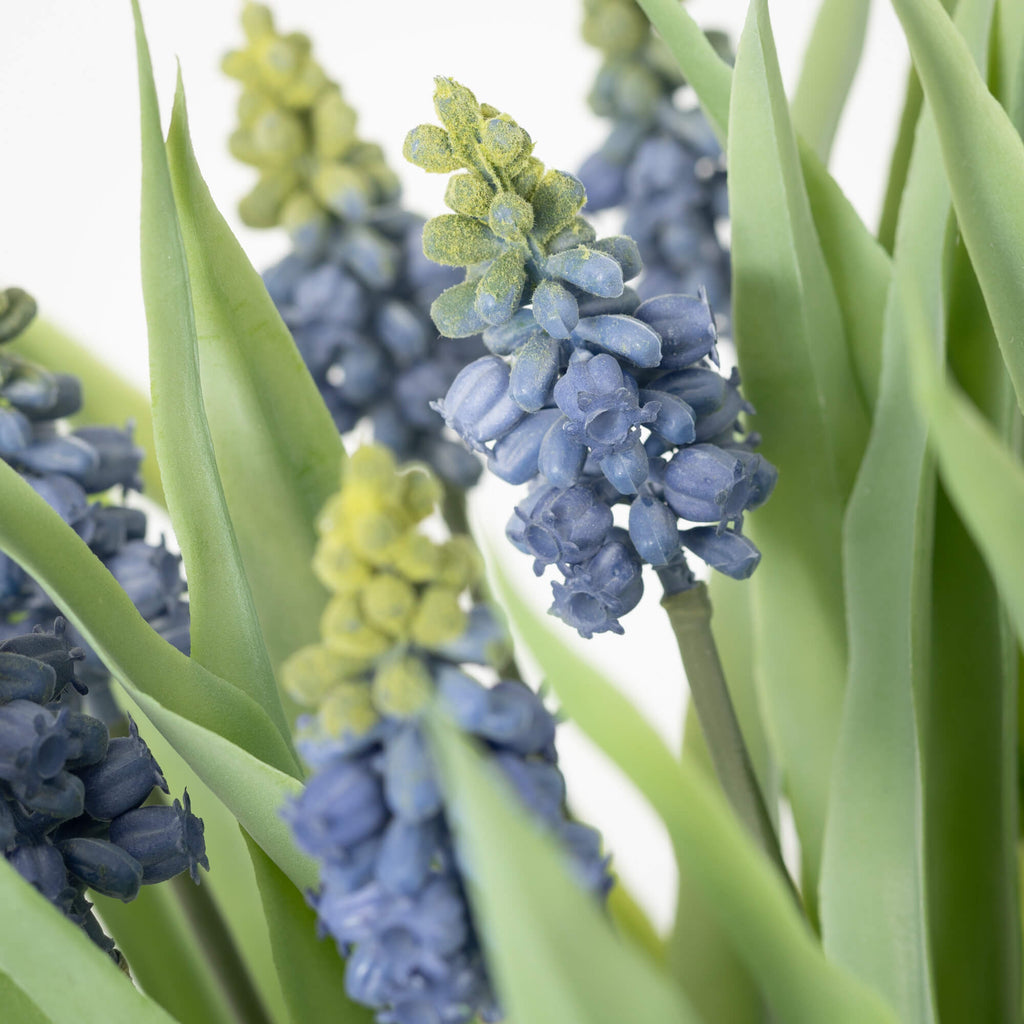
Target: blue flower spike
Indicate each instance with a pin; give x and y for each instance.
(62, 780)
(356, 290)
(373, 813)
(69, 470)
(591, 396)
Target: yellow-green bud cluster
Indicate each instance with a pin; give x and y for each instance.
(395, 598)
(297, 129)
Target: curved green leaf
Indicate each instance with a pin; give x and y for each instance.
(984, 160)
(830, 62)
(89, 988)
(35, 536)
(751, 903)
(310, 967)
(225, 632)
(106, 395)
(278, 451)
(17, 1005)
(789, 340)
(552, 952)
(873, 879)
(1008, 59)
(983, 477)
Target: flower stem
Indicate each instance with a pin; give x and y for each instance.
(689, 612)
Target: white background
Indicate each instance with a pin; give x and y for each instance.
(69, 188)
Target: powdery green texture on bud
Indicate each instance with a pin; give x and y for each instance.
(297, 130)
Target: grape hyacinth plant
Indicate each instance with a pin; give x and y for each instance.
(424, 799)
(356, 289)
(373, 812)
(587, 388)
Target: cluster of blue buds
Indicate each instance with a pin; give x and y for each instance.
(661, 163)
(356, 290)
(593, 397)
(71, 814)
(395, 638)
(66, 468)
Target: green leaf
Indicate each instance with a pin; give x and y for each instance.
(751, 903)
(552, 952)
(278, 451)
(983, 477)
(873, 879)
(797, 375)
(1008, 59)
(88, 988)
(164, 953)
(17, 1005)
(830, 62)
(36, 537)
(225, 633)
(106, 396)
(310, 968)
(984, 160)
(857, 263)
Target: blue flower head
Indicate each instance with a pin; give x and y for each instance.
(593, 397)
(396, 636)
(67, 469)
(71, 818)
(356, 290)
(660, 164)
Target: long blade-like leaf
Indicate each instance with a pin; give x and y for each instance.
(742, 888)
(89, 988)
(984, 159)
(310, 967)
(789, 341)
(552, 952)
(830, 62)
(36, 537)
(873, 882)
(278, 451)
(225, 631)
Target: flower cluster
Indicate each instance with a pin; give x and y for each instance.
(71, 814)
(356, 290)
(595, 398)
(66, 468)
(395, 636)
(660, 163)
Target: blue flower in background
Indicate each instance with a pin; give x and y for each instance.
(593, 397)
(356, 291)
(68, 468)
(396, 638)
(660, 164)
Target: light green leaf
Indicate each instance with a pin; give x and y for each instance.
(164, 953)
(830, 62)
(984, 160)
(751, 903)
(552, 952)
(857, 263)
(59, 968)
(35, 536)
(278, 451)
(797, 376)
(310, 968)
(17, 1005)
(873, 880)
(1008, 59)
(984, 478)
(106, 396)
(225, 632)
